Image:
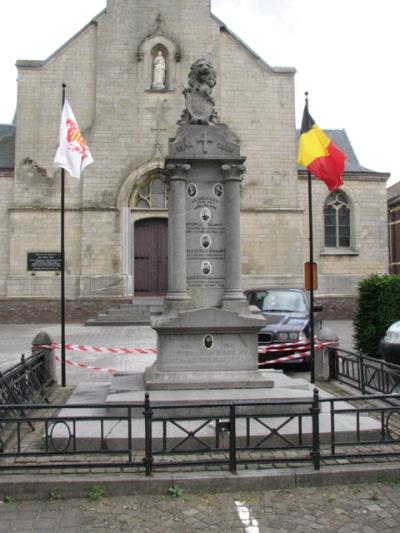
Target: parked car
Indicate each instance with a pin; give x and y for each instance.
(390, 344)
(288, 323)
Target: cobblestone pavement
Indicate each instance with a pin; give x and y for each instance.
(339, 509)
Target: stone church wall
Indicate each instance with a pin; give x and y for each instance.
(107, 68)
(6, 190)
(340, 273)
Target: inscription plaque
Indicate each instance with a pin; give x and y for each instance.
(205, 240)
(44, 261)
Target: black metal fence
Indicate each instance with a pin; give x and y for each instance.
(366, 374)
(22, 384)
(151, 437)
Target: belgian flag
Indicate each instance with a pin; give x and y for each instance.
(318, 154)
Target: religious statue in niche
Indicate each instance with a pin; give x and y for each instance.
(159, 69)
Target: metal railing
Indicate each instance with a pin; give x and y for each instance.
(150, 437)
(364, 373)
(21, 385)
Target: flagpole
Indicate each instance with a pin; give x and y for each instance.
(311, 282)
(311, 272)
(63, 373)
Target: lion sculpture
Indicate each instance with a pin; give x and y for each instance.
(200, 105)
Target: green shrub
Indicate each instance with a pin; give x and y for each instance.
(175, 491)
(378, 306)
(96, 493)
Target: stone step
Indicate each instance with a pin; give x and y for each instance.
(122, 316)
(115, 322)
(135, 313)
(142, 302)
(139, 311)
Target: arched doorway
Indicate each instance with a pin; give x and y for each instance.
(151, 256)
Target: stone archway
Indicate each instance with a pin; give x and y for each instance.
(141, 199)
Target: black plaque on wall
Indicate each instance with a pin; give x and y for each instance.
(44, 261)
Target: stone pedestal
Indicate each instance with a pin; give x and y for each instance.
(206, 348)
(207, 335)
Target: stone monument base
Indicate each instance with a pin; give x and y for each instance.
(207, 348)
(239, 379)
(127, 391)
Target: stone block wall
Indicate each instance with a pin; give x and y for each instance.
(258, 105)
(339, 273)
(35, 230)
(6, 191)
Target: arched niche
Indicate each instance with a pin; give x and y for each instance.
(146, 54)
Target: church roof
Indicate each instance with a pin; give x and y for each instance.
(277, 70)
(39, 63)
(341, 140)
(7, 146)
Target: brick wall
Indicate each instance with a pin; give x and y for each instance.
(42, 311)
(338, 307)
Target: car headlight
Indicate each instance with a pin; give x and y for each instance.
(283, 336)
(288, 336)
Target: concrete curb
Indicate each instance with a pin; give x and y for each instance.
(39, 486)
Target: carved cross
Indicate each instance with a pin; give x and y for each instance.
(159, 21)
(157, 129)
(204, 141)
(158, 147)
(159, 113)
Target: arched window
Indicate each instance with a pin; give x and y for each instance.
(151, 194)
(337, 221)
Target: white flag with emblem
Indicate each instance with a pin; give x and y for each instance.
(73, 153)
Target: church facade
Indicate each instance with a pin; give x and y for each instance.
(125, 72)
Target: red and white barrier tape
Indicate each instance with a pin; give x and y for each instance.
(97, 349)
(284, 347)
(88, 367)
(304, 345)
(292, 357)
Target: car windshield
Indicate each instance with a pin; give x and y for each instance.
(288, 301)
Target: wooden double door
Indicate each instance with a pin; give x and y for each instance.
(151, 256)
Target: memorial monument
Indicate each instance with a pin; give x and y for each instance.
(207, 334)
